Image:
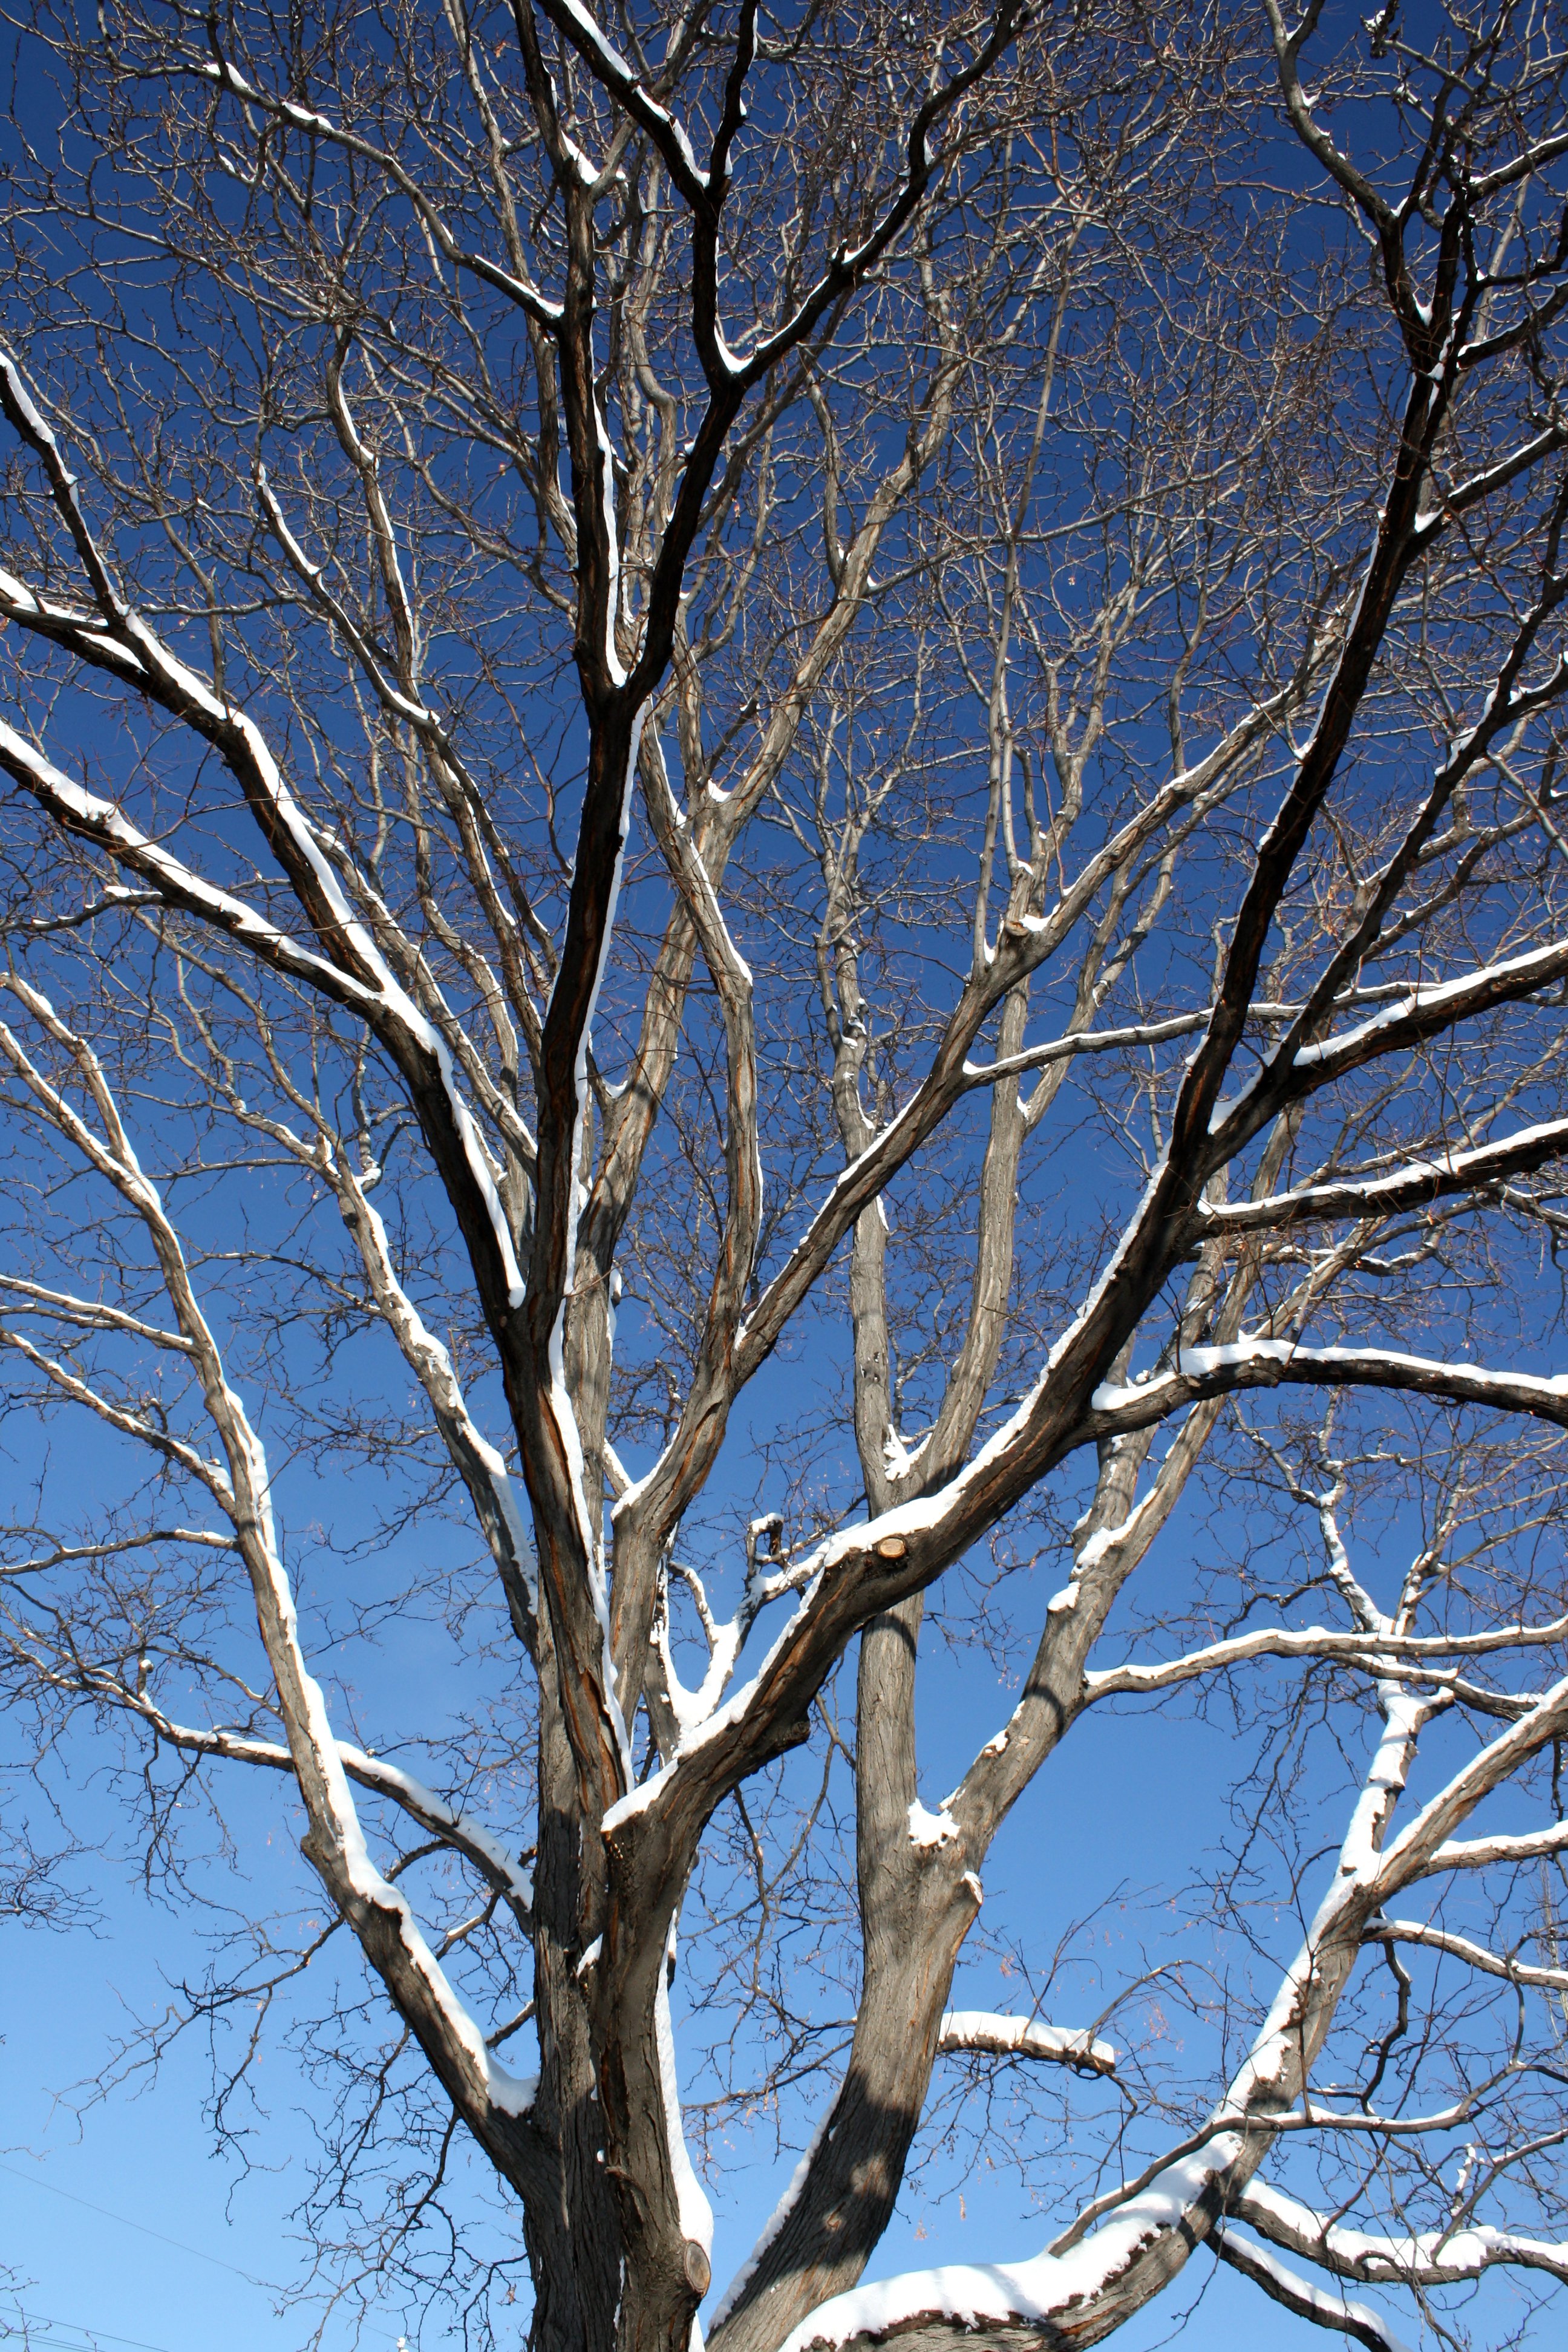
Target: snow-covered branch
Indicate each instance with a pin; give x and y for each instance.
(1379, 1654)
(1411, 1186)
(311, 124)
(1462, 1947)
(1253, 1363)
(1300, 2295)
(1127, 2243)
(1483, 1852)
(1434, 2258)
(985, 2034)
(351, 968)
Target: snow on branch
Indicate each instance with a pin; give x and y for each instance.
(1251, 1363)
(1379, 1654)
(983, 2033)
(480, 1465)
(1461, 1948)
(92, 819)
(1026, 2294)
(1152, 1033)
(1435, 2258)
(616, 74)
(658, 1501)
(492, 2100)
(1426, 1008)
(1149, 2224)
(353, 971)
(1479, 1854)
(66, 1555)
(1357, 2320)
(1426, 1844)
(1411, 1186)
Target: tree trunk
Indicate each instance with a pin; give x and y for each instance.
(575, 2246)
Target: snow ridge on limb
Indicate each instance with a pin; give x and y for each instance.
(1383, 1654)
(906, 1547)
(1420, 1180)
(96, 820)
(1024, 2037)
(1245, 1363)
(380, 1002)
(694, 2211)
(1435, 2258)
(1356, 2320)
(481, 1467)
(1048, 2300)
(771, 2226)
(309, 120)
(1461, 1948)
(617, 75)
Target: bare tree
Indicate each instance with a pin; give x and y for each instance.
(882, 686)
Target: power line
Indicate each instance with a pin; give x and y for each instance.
(126, 2223)
(32, 2319)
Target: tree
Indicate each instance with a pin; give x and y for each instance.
(883, 685)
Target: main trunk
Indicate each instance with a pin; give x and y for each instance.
(575, 2243)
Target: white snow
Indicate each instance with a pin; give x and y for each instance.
(318, 1760)
(696, 2212)
(423, 1801)
(976, 2295)
(1516, 1389)
(1474, 1853)
(978, 2029)
(512, 2094)
(433, 1364)
(1105, 1540)
(1547, 961)
(1471, 1166)
(1464, 2252)
(1402, 1719)
(321, 126)
(931, 1829)
(231, 914)
(1331, 2309)
(692, 1708)
(617, 71)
